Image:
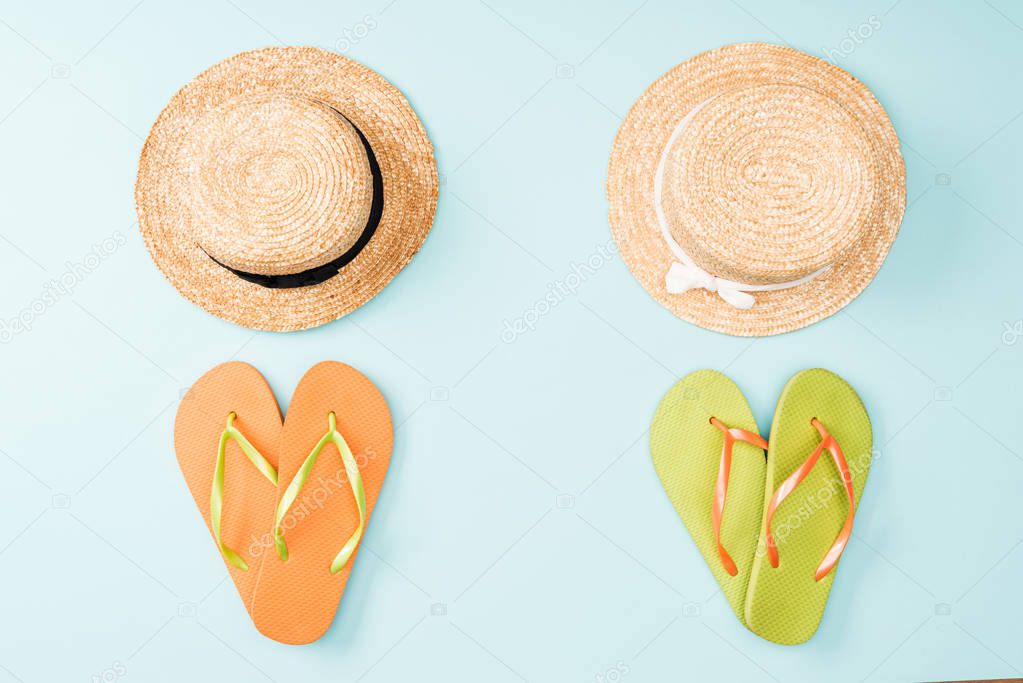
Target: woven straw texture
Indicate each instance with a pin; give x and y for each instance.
(256, 163)
(788, 164)
(686, 451)
(785, 604)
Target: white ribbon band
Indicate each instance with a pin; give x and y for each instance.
(684, 274)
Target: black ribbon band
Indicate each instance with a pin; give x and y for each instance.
(319, 274)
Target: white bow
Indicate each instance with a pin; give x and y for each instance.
(681, 278)
(684, 274)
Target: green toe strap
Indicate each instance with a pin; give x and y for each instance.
(217, 496)
(354, 479)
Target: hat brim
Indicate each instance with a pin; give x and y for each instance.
(643, 136)
(373, 105)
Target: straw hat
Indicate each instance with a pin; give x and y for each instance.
(283, 188)
(755, 189)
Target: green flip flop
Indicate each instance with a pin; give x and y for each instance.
(708, 453)
(817, 465)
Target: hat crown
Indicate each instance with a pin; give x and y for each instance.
(768, 183)
(278, 183)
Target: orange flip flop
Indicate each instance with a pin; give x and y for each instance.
(226, 435)
(334, 451)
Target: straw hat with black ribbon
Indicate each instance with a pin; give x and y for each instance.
(755, 189)
(283, 188)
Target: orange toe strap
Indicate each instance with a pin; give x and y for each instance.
(835, 551)
(731, 435)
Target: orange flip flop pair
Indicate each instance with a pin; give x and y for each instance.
(287, 501)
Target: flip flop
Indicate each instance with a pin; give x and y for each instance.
(334, 452)
(226, 436)
(710, 457)
(817, 466)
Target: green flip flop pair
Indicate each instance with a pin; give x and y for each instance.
(770, 516)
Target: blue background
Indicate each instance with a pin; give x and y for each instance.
(522, 534)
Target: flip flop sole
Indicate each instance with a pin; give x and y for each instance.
(296, 599)
(785, 604)
(249, 498)
(686, 451)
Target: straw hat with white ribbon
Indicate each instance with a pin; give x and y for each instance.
(755, 189)
(283, 188)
